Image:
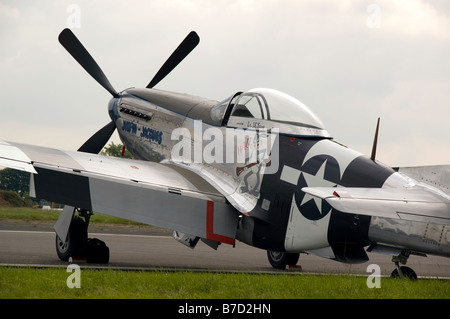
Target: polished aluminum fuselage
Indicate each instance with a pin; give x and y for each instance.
(153, 123)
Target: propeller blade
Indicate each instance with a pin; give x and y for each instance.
(185, 47)
(97, 141)
(70, 42)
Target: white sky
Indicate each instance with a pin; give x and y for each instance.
(349, 61)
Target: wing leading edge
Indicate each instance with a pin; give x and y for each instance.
(151, 193)
(418, 203)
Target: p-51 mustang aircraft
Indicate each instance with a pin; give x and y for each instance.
(258, 167)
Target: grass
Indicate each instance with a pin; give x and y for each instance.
(27, 213)
(33, 214)
(51, 283)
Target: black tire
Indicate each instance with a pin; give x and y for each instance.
(76, 243)
(97, 251)
(279, 260)
(407, 273)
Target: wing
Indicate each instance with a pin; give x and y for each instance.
(151, 193)
(417, 203)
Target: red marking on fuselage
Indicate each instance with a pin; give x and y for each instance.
(210, 226)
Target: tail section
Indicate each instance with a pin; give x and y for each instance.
(437, 175)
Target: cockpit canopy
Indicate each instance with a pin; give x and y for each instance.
(268, 108)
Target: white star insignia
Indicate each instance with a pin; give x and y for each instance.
(316, 181)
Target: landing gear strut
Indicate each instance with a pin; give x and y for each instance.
(78, 245)
(402, 271)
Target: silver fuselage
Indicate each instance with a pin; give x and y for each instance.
(153, 124)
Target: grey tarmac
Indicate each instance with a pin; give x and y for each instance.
(23, 243)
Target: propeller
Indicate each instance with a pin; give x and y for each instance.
(185, 47)
(71, 43)
(97, 141)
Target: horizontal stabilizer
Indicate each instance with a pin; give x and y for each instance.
(414, 204)
(437, 175)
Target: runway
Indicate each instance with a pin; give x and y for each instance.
(150, 249)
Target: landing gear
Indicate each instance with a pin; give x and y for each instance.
(78, 245)
(279, 260)
(403, 271)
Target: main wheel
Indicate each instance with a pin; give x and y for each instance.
(76, 243)
(280, 260)
(97, 251)
(406, 271)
